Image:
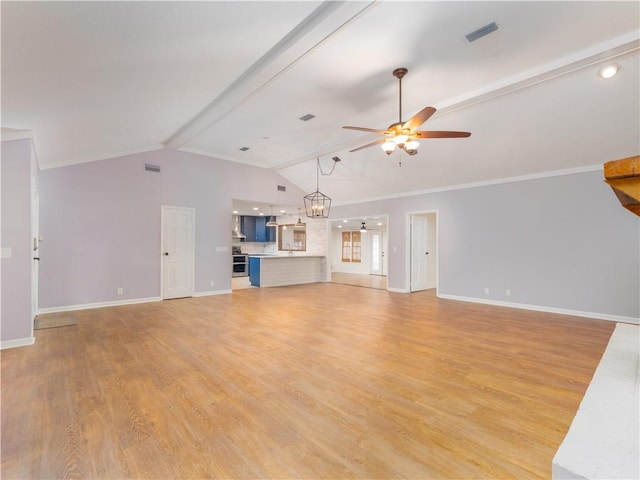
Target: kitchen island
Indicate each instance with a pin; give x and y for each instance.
(279, 270)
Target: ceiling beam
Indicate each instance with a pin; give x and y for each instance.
(315, 29)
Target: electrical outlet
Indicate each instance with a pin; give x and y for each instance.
(213, 284)
(486, 290)
(120, 291)
(507, 292)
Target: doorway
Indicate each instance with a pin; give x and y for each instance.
(357, 251)
(178, 252)
(423, 251)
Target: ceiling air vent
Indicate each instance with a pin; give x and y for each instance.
(244, 149)
(282, 188)
(481, 32)
(307, 117)
(152, 168)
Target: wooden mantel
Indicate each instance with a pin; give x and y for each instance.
(624, 178)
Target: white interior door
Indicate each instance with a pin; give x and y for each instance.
(385, 249)
(419, 253)
(35, 263)
(178, 252)
(432, 248)
(377, 253)
(423, 263)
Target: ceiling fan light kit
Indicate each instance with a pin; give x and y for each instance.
(401, 134)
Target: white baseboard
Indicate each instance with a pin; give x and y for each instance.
(18, 342)
(212, 292)
(541, 308)
(116, 303)
(87, 306)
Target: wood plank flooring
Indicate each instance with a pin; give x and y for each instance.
(369, 281)
(310, 381)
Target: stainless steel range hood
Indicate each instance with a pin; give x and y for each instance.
(236, 233)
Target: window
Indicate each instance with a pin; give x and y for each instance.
(346, 246)
(351, 247)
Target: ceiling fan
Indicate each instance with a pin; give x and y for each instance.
(403, 134)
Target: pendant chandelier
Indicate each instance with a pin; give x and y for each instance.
(299, 225)
(272, 221)
(317, 204)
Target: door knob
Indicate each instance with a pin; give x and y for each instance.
(36, 258)
(166, 253)
(426, 253)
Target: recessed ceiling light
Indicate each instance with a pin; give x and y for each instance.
(339, 226)
(379, 224)
(283, 211)
(235, 211)
(256, 208)
(345, 221)
(261, 214)
(608, 71)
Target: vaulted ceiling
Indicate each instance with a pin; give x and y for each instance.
(231, 80)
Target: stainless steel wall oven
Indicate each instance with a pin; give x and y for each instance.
(240, 265)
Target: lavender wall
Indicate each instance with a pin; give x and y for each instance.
(560, 242)
(16, 326)
(100, 223)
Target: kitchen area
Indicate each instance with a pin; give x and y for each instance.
(276, 246)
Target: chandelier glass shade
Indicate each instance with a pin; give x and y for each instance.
(403, 142)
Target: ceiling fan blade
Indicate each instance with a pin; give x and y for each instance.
(364, 129)
(419, 118)
(377, 142)
(440, 134)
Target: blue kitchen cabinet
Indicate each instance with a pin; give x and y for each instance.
(255, 229)
(248, 227)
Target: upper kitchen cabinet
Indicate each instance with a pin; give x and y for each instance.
(255, 229)
(248, 228)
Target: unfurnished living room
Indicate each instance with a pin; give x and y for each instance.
(320, 239)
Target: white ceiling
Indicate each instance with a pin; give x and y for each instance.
(94, 80)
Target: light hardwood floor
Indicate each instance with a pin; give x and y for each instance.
(310, 381)
(358, 280)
